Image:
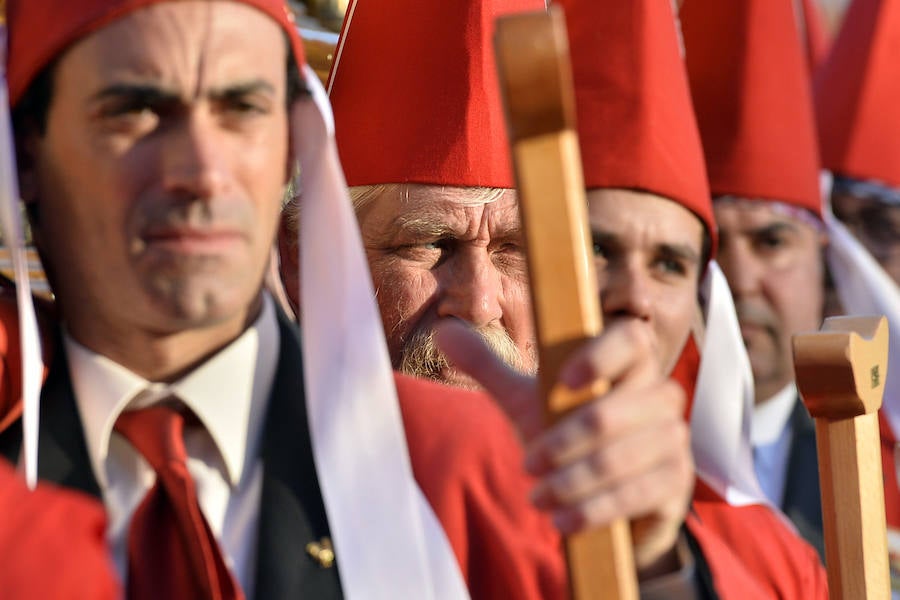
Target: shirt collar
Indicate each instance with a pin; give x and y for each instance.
(771, 416)
(228, 393)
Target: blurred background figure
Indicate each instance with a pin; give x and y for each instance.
(751, 89)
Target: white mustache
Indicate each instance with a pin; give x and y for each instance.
(422, 358)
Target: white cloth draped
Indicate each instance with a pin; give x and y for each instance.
(387, 539)
(723, 400)
(14, 239)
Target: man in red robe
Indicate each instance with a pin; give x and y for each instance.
(752, 95)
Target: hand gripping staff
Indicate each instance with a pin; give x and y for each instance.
(840, 373)
(536, 84)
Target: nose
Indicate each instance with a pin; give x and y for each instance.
(740, 267)
(626, 291)
(471, 288)
(194, 163)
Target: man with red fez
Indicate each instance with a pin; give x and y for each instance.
(440, 222)
(654, 240)
(856, 94)
(154, 139)
(751, 94)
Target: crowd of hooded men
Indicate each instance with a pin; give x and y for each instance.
(368, 425)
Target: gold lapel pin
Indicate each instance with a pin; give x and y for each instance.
(322, 552)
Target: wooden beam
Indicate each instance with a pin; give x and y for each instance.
(536, 81)
(840, 374)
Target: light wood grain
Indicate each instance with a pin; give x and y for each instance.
(536, 81)
(840, 375)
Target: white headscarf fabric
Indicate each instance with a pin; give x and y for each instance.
(388, 540)
(723, 400)
(14, 239)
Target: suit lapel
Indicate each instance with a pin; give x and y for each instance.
(802, 503)
(292, 513)
(62, 454)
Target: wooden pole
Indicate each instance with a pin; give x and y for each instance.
(536, 81)
(840, 374)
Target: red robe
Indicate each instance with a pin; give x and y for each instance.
(468, 462)
(53, 543)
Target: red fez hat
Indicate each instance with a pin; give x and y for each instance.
(752, 95)
(636, 124)
(858, 95)
(415, 93)
(41, 30)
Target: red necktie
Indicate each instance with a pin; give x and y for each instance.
(172, 553)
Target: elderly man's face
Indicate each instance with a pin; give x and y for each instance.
(438, 253)
(874, 223)
(648, 253)
(773, 262)
(159, 176)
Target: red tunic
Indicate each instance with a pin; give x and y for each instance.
(53, 543)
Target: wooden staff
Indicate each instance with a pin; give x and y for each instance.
(840, 374)
(536, 81)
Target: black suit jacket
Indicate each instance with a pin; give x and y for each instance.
(292, 513)
(802, 503)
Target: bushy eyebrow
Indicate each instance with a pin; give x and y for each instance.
(772, 228)
(669, 250)
(681, 252)
(240, 89)
(149, 93)
(155, 94)
(421, 224)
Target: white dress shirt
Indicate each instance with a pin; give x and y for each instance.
(771, 436)
(229, 394)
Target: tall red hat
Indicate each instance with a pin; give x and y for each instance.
(858, 95)
(41, 31)
(636, 124)
(415, 93)
(752, 95)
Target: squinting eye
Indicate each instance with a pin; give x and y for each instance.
(770, 242)
(129, 109)
(672, 266)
